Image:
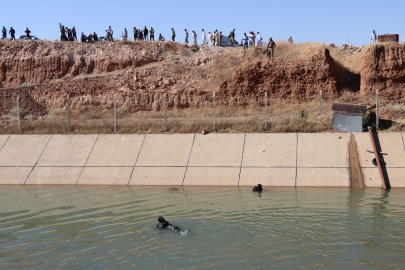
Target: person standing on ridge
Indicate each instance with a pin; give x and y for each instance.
(204, 38)
(374, 38)
(74, 33)
(186, 38)
(110, 31)
(231, 37)
(145, 33)
(259, 40)
(4, 31)
(194, 35)
(214, 35)
(152, 34)
(12, 32)
(125, 34)
(290, 40)
(173, 35)
(245, 41)
(270, 49)
(220, 38)
(252, 37)
(27, 32)
(135, 31)
(209, 38)
(217, 38)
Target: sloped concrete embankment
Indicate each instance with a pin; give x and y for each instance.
(317, 160)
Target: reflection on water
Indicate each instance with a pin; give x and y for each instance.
(102, 227)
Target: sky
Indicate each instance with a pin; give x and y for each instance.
(340, 22)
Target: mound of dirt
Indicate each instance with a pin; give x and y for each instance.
(386, 61)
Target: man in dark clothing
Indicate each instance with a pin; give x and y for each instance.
(4, 30)
(135, 31)
(95, 37)
(152, 34)
(83, 38)
(63, 34)
(173, 35)
(12, 32)
(27, 32)
(270, 49)
(74, 33)
(166, 225)
(145, 33)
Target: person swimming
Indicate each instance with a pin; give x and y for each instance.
(257, 188)
(166, 225)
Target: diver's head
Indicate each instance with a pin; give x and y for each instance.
(161, 219)
(259, 186)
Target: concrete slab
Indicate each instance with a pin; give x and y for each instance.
(270, 150)
(14, 175)
(115, 150)
(157, 176)
(323, 177)
(166, 150)
(23, 150)
(212, 176)
(54, 176)
(3, 139)
(323, 150)
(391, 143)
(217, 150)
(372, 178)
(105, 176)
(271, 177)
(67, 150)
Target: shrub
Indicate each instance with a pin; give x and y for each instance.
(26, 84)
(174, 58)
(303, 115)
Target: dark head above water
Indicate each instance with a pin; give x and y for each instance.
(166, 225)
(258, 188)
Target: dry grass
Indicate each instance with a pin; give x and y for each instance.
(281, 118)
(297, 51)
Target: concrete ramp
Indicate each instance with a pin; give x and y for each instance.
(3, 139)
(105, 176)
(157, 176)
(54, 176)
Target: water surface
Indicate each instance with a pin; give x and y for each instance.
(46, 227)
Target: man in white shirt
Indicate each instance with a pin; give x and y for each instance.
(125, 34)
(194, 37)
(109, 30)
(373, 37)
(204, 38)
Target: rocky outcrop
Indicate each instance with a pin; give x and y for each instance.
(298, 80)
(39, 62)
(388, 62)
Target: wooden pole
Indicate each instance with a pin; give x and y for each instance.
(68, 112)
(378, 110)
(265, 111)
(164, 101)
(213, 103)
(18, 114)
(321, 109)
(115, 113)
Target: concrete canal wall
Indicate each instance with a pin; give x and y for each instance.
(272, 159)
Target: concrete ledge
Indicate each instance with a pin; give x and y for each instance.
(14, 175)
(165, 150)
(67, 150)
(3, 139)
(105, 176)
(323, 177)
(323, 150)
(212, 176)
(270, 150)
(217, 150)
(115, 150)
(272, 177)
(372, 177)
(158, 176)
(23, 150)
(54, 176)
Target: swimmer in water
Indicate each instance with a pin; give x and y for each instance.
(257, 188)
(166, 225)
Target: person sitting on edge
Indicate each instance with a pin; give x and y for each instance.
(258, 188)
(95, 37)
(166, 225)
(161, 38)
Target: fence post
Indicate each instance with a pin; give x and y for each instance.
(18, 114)
(378, 111)
(68, 112)
(164, 102)
(265, 113)
(115, 113)
(321, 108)
(213, 102)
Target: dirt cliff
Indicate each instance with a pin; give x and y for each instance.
(388, 63)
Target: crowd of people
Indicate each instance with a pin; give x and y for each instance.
(12, 33)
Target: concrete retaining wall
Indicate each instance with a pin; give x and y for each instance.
(196, 160)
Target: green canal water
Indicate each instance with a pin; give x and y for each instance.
(48, 227)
